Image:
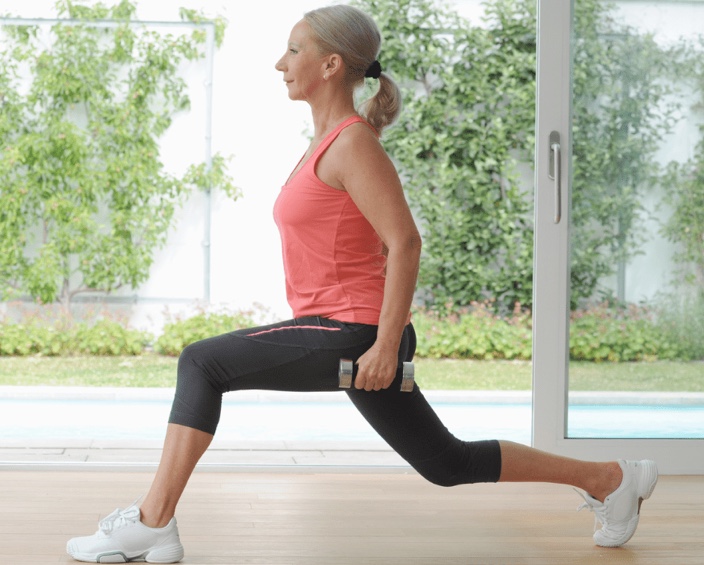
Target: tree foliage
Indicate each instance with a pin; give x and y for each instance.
(685, 193)
(84, 196)
(468, 111)
(623, 108)
(468, 121)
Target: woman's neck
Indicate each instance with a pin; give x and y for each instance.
(328, 115)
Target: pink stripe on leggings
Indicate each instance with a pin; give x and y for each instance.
(295, 328)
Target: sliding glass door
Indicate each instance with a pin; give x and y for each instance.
(618, 280)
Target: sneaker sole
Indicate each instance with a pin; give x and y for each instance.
(169, 554)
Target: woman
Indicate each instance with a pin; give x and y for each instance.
(351, 252)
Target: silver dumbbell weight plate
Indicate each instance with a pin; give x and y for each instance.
(346, 373)
(409, 376)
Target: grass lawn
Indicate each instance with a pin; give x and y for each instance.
(140, 371)
(431, 374)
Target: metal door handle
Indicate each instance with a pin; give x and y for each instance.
(555, 173)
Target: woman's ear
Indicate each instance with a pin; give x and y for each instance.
(332, 66)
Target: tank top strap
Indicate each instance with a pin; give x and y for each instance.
(332, 136)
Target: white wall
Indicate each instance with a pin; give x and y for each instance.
(254, 120)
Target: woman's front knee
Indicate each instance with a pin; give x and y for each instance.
(193, 367)
(189, 356)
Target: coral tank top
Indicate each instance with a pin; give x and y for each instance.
(333, 260)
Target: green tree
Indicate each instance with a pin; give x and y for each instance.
(623, 107)
(685, 194)
(469, 96)
(84, 199)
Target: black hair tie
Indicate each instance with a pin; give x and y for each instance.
(374, 70)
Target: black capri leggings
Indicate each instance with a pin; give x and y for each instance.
(303, 355)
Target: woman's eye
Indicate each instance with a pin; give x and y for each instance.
(293, 51)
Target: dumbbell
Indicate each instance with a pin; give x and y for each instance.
(346, 375)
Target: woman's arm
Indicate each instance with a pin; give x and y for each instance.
(365, 171)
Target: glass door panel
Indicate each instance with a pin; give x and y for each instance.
(618, 274)
(636, 295)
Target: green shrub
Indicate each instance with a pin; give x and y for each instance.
(680, 319)
(108, 337)
(474, 333)
(599, 333)
(32, 339)
(182, 332)
(104, 337)
(605, 333)
(51, 333)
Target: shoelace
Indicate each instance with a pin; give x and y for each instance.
(598, 512)
(119, 517)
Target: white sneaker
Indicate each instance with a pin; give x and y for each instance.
(620, 511)
(121, 538)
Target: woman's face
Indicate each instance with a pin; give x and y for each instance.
(302, 65)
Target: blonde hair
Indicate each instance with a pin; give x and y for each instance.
(354, 36)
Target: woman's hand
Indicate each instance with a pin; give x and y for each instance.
(376, 369)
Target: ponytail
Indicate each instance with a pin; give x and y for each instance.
(382, 109)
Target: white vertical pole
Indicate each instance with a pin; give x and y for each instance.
(210, 50)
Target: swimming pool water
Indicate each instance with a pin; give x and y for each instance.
(145, 420)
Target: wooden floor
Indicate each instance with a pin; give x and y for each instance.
(330, 519)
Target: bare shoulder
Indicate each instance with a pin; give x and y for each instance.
(364, 164)
(357, 143)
